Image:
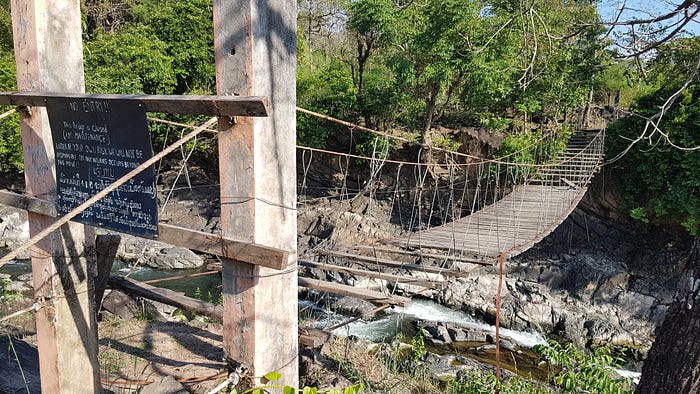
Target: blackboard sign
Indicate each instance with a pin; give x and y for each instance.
(96, 142)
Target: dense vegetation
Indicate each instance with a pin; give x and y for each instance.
(662, 172)
(412, 66)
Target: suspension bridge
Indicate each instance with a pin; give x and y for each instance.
(511, 207)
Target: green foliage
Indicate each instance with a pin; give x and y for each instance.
(326, 89)
(130, 60)
(570, 371)
(533, 146)
(418, 345)
(640, 214)
(574, 371)
(476, 382)
(10, 138)
(622, 77)
(662, 179)
(187, 29)
(11, 160)
(6, 292)
(446, 142)
(272, 376)
(275, 376)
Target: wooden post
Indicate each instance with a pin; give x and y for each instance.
(255, 46)
(48, 52)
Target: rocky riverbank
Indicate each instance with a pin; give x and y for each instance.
(602, 288)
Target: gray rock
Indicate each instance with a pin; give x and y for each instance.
(156, 254)
(351, 306)
(14, 229)
(460, 334)
(167, 385)
(588, 298)
(118, 304)
(437, 333)
(19, 287)
(127, 308)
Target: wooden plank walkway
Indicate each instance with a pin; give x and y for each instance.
(509, 226)
(512, 224)
(525, 216)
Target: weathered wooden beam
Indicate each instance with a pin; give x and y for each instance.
(390, 263)
(167, 296)
(107, 246)
(179, 236)
(313, 337)
(28, 203)
(223, 246)
(373, 274)
(419, 253)
(345, 290)
(172, 104)
(255, 52)
(48, 53)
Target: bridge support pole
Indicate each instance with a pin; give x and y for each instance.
(255, 46)
(48, 52)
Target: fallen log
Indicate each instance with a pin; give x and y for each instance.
(167, 296)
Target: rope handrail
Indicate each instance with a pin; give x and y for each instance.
(479, 160)
(435, 148)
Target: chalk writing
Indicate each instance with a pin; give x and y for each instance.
(97, 142)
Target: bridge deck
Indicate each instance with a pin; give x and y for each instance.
(512, 224)
(525, 216)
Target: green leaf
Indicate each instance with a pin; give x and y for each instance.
(289, 390)
(272, 376)
(309, 390)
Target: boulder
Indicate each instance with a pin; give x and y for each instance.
(14, 229)
(351, 306)
(586, 297)
(156, 254)
(166, 385)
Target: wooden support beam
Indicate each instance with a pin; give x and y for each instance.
(107, 246)
(373, 274)
(419, 253)
(248, 252)
(171, 104)
(345, 290)
(568, 182)
(30, 204)
(255, 52)
(313, 337)
(390, 263)
(48, 52)
(175, 235)
(167, 296)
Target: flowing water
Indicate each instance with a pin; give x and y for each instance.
(383, 328)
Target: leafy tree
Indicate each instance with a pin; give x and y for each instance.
(186, 28)
(661, 179)
(329, 90)
(129, 60)
(10, 138)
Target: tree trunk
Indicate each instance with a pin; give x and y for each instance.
(364, 49)
(673, 365)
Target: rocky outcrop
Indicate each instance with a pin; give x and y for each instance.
(14, 229)
(589, 298)
(154, 254)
